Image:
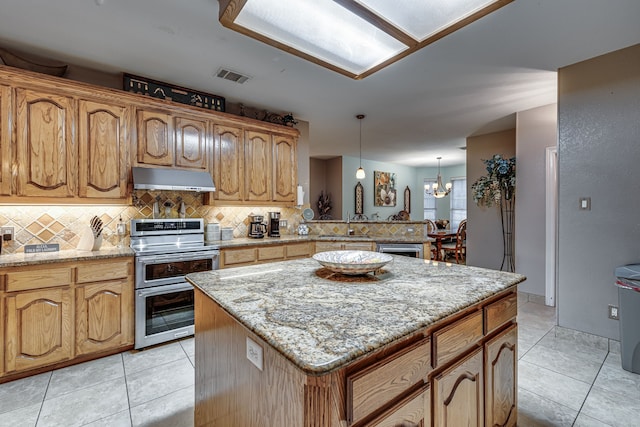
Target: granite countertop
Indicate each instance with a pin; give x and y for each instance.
(22, 259)
(321, 324)
(292, 238)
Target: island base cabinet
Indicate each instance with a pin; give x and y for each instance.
(458, 393)
(230, 390)
(501, 373)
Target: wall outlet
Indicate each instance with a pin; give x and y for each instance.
(254, 353)
(283, 223)
(613, 312)
(7, 233)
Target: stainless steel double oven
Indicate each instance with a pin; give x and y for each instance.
(167, 250)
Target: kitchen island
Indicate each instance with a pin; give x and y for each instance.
(293, 344)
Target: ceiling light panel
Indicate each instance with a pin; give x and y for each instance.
(353, 37)
(422, 19)
(322, 29)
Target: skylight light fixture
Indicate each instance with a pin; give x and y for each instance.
(352, 37)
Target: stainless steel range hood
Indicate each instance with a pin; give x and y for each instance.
(171, 179)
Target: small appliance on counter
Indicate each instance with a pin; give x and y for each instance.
(212, 232)
(274, 224)
(257, 227)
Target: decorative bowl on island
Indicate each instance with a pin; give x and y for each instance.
(352, 262)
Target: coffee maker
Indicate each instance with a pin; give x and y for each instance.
(274, 224)
(257, 227)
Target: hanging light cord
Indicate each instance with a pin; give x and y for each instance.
(360, 117)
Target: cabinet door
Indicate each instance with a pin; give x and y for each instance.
(284, 169)
(5, 140)
(104, 316)
(192, 143)
(103, 143)
(257, 166)
(228, 163)
(39, 328)
(155, 138)
(501, 379)
(46, 149)
(413, 411)
(458, 394)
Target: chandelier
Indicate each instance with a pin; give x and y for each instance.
(439, 191)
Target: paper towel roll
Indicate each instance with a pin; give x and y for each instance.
(300, 198)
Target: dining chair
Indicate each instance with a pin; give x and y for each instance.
(459, 246)
(431, 227)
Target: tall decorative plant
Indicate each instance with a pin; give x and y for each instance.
(498, 187)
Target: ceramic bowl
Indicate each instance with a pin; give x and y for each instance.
(352, 262)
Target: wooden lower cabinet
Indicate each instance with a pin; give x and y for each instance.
(104, 316)
(500, 378)
(241, 256)
(56, 313)
(39, 328)
(344, 246)
(413, 411)
(458, 393)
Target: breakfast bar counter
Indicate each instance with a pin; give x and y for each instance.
(293, 343)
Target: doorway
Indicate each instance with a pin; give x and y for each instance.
(551, 224)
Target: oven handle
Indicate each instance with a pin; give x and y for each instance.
(155, 259)
(164, 289)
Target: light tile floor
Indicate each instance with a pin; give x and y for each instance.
(565, 379)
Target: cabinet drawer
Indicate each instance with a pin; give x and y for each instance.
(238, 256)
(268, 253)
(99, 271)
(500, 312)
(358, 246)
(414, 410)
(297, 250)
(378, 384)
(38, 278)
(455, 338)
(327, 246)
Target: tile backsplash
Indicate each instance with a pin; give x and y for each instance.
(65, 224)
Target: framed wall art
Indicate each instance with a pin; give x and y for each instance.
(384, 184)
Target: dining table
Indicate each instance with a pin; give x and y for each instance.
(440, 236)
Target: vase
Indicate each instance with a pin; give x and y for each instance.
(507, 205)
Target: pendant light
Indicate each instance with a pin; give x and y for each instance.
(360, 172)
(439, 191)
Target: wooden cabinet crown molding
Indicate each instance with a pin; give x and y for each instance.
(15, 77)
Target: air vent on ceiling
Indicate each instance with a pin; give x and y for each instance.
(234, 76)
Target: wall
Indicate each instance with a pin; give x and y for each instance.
(598, 154)
(536, 129)
(64, 224)
(405, 176)
(334, 185)
(484, 230)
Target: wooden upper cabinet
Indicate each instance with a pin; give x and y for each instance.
(193, 142)
(5, 140)
(155, 138)
(284, 168)
(46, 150)
(103, 141)
(257, 165)
(228, 170)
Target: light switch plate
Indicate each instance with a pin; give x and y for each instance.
(254, 353)
(585, 203)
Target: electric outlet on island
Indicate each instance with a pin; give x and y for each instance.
(613, 312)
(254, 353)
